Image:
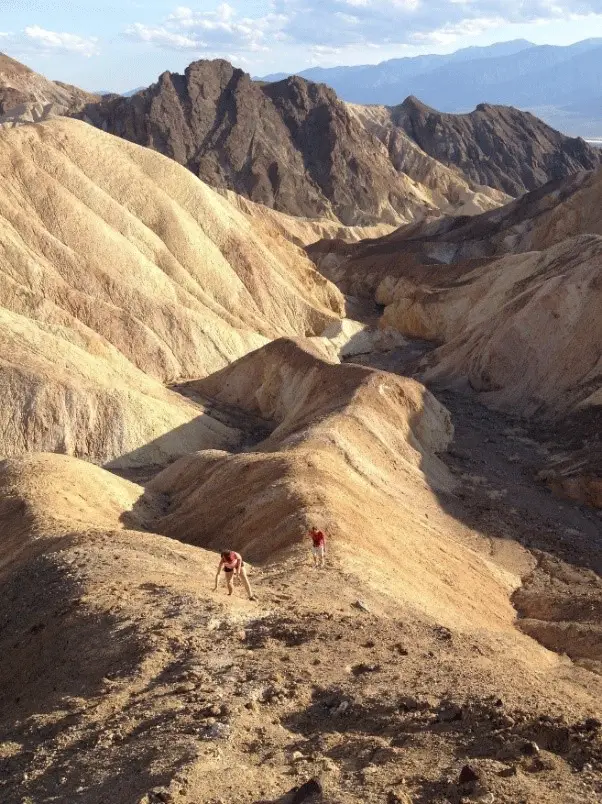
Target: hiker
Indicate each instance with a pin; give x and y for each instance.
(234, 567)
(318, 546)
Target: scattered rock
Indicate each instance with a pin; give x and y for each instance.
(457, 452)
(410, 704)
(216, 731)
(341, 708)
(362, 667)
(397, 797)
(161, 794)
(541, 763)
(448, 713)
(359, 604)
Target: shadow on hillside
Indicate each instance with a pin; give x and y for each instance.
(60, 658)
(220, 426)
(492, 457)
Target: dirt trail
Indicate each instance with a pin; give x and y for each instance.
(497, 457)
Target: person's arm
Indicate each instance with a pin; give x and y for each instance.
(219, 569)
(238, 567)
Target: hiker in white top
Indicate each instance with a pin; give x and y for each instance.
(234, 567)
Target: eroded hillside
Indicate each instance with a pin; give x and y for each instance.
(511, 298)
(28, 96)
(126, 677)
(116, 281)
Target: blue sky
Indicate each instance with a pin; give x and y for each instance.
(112, 45)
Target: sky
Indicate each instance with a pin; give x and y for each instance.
(118, 45)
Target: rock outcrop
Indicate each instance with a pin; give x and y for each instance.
(540, 219)
(498, 146)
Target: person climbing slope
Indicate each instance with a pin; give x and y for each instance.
(318, 546)
(234, 567)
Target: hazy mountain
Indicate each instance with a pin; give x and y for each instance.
(394, 70)
(561, 84)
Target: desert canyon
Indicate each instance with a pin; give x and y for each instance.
(231, 310)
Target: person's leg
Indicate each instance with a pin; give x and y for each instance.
(230, 579)
(314, 552)
(322, 557)
(245, 580)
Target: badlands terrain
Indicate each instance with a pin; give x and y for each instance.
(179, 375)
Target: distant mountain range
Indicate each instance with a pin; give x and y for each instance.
(562, 85)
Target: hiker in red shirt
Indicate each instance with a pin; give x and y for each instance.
(234, 567)
(318, 546)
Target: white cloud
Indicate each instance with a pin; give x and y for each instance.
(344, 24)
(204, 31)
(450, 33)
(350, 19)
(54, 42)
(163, 37)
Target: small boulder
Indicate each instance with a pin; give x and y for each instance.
(530, 748)
(309, 792)
(469, 775)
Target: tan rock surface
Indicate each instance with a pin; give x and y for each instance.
(304, 231)
(524, 330)
(514, 297)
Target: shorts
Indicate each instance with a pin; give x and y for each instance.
(231, 569)
(318, 551)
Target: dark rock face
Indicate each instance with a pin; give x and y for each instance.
(499, 146)
(292, 145)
